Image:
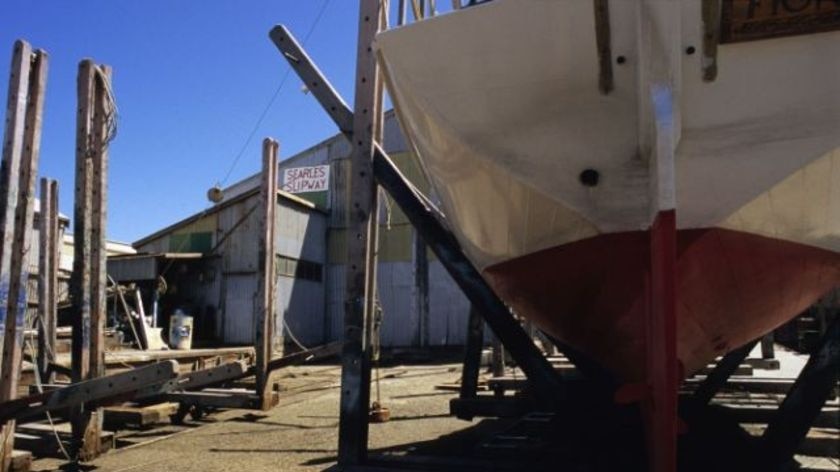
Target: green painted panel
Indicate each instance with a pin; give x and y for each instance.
(318, 198)
(191, 242)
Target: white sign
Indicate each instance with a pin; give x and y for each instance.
(306, 179)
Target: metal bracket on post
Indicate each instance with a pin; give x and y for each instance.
(21, 146)
(547, 383)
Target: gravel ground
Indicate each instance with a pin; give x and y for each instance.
(300, 434)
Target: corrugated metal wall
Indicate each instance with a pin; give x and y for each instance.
(314, 311)
(405, 323)
(301, 235)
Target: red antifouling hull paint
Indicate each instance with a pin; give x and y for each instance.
(733, 287)
(661, 345)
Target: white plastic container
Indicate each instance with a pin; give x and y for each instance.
(180, 330)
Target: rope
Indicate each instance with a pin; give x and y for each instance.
(292, 335)
(40, 388)
(273, 98)
(254, 129)
(111, 113)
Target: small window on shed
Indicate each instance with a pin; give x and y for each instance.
(299, 269)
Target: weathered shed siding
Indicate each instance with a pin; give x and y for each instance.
(234, 225)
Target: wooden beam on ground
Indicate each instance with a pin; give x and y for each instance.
(48, 261)
(264, 341)
(361, 239)
(94, 391)
(21, 147)
(95, 110)
(198, 379)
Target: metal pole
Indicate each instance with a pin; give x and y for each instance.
(21, 148)
(361, 231)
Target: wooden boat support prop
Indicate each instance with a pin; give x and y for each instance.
(718, 377)
(805, 400)
(94, 391)
(547, 383)
(21, 146)
(472, 356)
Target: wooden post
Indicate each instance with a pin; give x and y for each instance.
(472, 354)
(266, 312)
(48, 260)
(767, 346)
(548, 386)
(21, 147)
(421, 285)
(356, 362)
(89, 272)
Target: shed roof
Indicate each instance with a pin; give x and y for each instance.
(221, 206)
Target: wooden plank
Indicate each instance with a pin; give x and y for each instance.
(21, 461)
(264, 340)
(361, 234)
(95, 390)
(749, 20)
(246, 400)
(13, 285)
(48, 261)
(118, 417)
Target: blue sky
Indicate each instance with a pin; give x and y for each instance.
(191, 78)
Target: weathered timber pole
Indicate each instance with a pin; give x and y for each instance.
(361, 236)
(48, 260)
(21, 146)
(428, 223)
(266, 312)
(472, 355)
(95, 109)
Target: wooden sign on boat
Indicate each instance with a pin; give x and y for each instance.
(749, 20)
